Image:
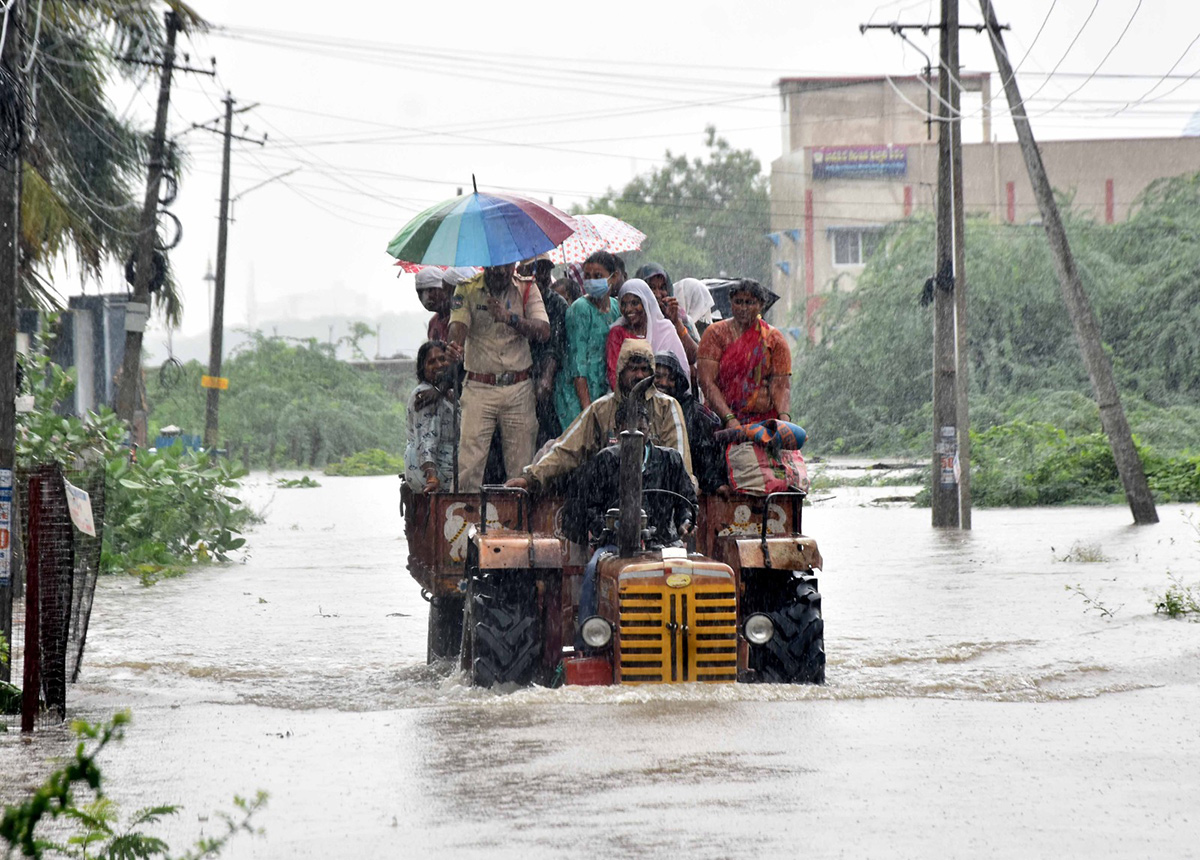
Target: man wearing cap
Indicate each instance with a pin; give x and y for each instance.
(596, 427)
(492, 321)
(435, 289)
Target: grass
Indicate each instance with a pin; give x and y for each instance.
(1083, 553)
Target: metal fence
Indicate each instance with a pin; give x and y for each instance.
(55, 568)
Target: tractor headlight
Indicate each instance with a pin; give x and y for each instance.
(758, 629)
(596, 632)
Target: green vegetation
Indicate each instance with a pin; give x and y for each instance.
(1083, 553)
(302, 483)
(372, 462)
(170, 508)
(288, 403)
(1037, 436)
(98, 831)
(1180, 600)
(701, 218)
(10, 696)
(1093, 602)
(82, 181)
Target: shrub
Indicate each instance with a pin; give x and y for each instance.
(172, 507)
(370, 462)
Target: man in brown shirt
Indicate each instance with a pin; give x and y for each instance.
(492, 321)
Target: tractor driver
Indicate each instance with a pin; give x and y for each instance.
(597, 426)
(595, 489)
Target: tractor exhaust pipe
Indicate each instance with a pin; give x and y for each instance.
(633, 447)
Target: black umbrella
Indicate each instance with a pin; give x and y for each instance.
(719, 287)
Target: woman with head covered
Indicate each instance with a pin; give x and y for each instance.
(641, 318)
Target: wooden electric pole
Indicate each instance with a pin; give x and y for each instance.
(1083, 319)
(129, 381)
(11, 137)
(945, 365)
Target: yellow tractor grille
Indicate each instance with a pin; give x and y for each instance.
(676, 635)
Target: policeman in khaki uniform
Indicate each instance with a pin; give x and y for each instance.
(492, 320)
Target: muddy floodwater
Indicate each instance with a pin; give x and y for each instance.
(973, 707)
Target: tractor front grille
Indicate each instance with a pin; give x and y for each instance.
(678, 635)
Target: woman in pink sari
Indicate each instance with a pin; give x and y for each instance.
(744, 364)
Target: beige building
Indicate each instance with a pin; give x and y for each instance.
(860, 154)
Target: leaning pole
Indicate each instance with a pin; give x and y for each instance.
(1083, 319)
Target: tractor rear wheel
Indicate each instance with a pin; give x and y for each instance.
(445, 627)
(796, 653)
(505, 645)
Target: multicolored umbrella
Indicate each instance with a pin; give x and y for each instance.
(481, 230)
(598, 233)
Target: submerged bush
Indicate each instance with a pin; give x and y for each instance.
(172, 507)
(370, 462)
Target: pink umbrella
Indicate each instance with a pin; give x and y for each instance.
(413, 268)
(597, 233)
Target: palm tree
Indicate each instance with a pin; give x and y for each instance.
(83, 165)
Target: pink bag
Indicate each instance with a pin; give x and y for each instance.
(753, 469)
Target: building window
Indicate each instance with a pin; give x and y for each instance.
(853, 246)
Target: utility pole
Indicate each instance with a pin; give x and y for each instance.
(214, 382)
(136, 312)
(962, 356)
(945, 365)
(12, 134)
(951, 462)
(1083, 319)
(212, 403)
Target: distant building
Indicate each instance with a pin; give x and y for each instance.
(90, 337)
(860, 154)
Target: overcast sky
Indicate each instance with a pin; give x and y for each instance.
(385, 108)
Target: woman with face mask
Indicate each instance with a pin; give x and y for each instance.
(584, 376)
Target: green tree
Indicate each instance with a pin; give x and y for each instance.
(84, 166)
(866, 386)
(701, 217)
(289, 401)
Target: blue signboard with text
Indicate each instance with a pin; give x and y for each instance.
(859, 162)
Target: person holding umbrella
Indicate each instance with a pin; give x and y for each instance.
(492, 322)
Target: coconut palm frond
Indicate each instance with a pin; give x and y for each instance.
(126, 28)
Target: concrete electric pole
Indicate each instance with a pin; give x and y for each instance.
(951, 463)
(945, 467)
(214, 382)
(1083, 319)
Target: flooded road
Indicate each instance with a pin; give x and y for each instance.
(973, 706)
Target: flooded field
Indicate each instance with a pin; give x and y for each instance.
(974, 706)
